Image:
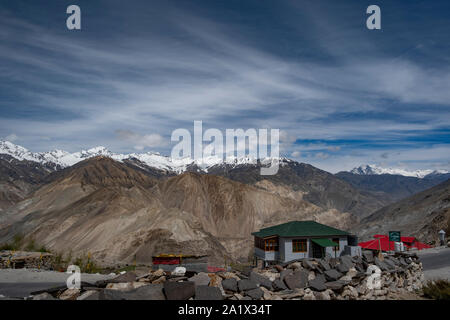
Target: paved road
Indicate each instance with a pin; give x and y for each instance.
(20, 283)
(24, 289)
(436, 263)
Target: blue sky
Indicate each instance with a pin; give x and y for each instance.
(342, 95)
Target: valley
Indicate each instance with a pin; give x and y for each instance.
(124, 208)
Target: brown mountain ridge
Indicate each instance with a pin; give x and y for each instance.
(118, 213)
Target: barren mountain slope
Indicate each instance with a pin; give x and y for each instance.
(116, 212)
(421, 215)
(318, 187)
(231, 211)
(106, 208)
(18, 178)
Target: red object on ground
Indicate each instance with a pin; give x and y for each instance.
(215, 269)
(382, 242)
(407, 239)
(166, 260)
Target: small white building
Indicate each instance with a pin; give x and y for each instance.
(302, 239)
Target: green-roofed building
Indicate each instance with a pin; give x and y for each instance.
(301, 239)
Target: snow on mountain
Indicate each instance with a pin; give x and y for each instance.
(152, 159)
(376, 170)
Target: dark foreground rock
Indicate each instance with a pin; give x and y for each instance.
(203, 292)
(179, 290)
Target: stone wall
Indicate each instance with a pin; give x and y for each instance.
(346, 278)
(22, 259)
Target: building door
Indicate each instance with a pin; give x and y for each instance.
(318, 251)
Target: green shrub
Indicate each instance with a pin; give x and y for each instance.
(6, 246)
(437, 290)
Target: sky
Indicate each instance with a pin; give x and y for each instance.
(340, 94)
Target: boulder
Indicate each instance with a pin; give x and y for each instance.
(317, 284)
(158, 273)
(278, 268)
(125, 286)
(320, 277)
(229, 275)
(324, 295)
(89, 295)
(335, 285)
(246, 271)
(290, 294)
(342, 268)
(332, 275)
(299, 279)
(70, 294)
(246, 284)
(309, 295)
(204, 292)
(352, 273)
(216, 281)
(148, 292)
(295, 265)
(176, 278)
(381, 264)
(267, 293)
(125, 277)
(368, 256)
(261, 280)
(278, 285)
(255, 294)
(333, 262)
(324, 265)
(347, 261)
(179, 271)
(179, 290)
(308, 264)
(391, 264)
(160, 280)
(285, 273)
(201, 279)
(44, 296)
(230, 285)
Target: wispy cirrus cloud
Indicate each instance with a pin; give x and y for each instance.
(129, 88)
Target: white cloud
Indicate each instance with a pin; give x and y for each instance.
(12, 137)
(142, 141)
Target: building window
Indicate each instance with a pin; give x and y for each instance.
(336, 240)
(299, 245)
(271, 244)
(259, 243)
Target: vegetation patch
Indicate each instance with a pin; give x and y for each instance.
(437, 290)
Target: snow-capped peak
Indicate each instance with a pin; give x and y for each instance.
(152, 159)
(376, 170)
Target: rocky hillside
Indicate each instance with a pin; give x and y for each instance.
(421, 215)
(317, 186)
(117, 213)
(18, 178)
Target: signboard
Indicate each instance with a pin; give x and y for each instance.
(394, 236)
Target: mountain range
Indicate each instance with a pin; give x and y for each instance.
(376, 170)
(123, 207)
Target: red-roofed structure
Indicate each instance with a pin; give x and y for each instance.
(381, 242)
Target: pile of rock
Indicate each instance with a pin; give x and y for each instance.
(24, 259)
(344, 278)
